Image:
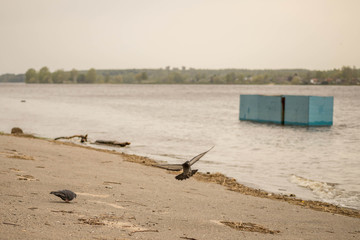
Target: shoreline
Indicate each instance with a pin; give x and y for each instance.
(218, 178)
(120, 197)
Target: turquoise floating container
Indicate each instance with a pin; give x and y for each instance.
(287, 109)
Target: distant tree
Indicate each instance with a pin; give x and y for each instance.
(31, 76)
(128, 77)
(355, 73)
(144, 76)
(296, 80)
(240, 78)
(347, 74)
(319, 75)
(107, 78)
(117, 79)
(336, 75)
(308, 76)
(91, 76)
(100, 79)
(260, 79)
(230, 78)
(215, 79)
(141, 76)
(81, 78)
(138, 78)
(199, 76)
(175, 77)
(59, 76)
(45, 75)
(73, 75)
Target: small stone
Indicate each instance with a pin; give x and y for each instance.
(16, 130)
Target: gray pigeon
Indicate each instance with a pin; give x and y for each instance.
(186, 167)
(65, 195)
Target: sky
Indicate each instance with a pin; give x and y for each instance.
(206, 34)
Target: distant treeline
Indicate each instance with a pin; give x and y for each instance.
(344, 76)
(12, 78)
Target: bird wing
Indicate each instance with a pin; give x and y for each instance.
(171, 167)
(196, 158)
(69, 194)
(59, 194)
(178, 167)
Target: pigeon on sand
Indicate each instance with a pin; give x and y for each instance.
(186, 167)
(65, 195)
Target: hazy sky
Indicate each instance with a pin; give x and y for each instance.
(119, 34)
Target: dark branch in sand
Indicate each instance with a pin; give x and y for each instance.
(112, 143)
(12, 224)
(62, 211)
(83, 138)
(109, 182)
(146, 230)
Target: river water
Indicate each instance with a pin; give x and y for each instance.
(173, 123)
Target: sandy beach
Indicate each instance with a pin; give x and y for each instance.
(118, 198)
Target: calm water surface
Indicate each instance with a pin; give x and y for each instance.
(173, 123)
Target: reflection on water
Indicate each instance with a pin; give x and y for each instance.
(175, 122)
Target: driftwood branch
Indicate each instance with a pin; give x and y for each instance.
(82, 137)
(12, 224)
(112, 143)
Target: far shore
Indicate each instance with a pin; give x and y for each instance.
(123, 196)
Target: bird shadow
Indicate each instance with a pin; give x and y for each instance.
(63, 202)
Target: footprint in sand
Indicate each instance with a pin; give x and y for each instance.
(246, 226)
(115, 222)
(15, 170)
(27, 177)
(21, 156)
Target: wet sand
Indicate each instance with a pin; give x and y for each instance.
(118, 198)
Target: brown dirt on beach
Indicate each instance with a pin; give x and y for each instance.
(250, 227)
(232, 185)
